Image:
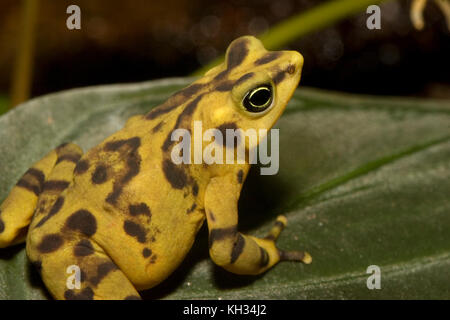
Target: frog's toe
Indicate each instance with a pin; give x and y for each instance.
(279, 225)
(274, 233)
(301, 256)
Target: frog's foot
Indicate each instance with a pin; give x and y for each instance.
(79, 270)
(245, 254)
(36, 192)
(273, 235)
(232, 250)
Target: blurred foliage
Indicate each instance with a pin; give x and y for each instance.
(362, 181)
(24, 58)
(4, 103)
(128, 41)
(303, 23)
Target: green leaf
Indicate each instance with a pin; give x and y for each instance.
(363, 181)
(3, 104)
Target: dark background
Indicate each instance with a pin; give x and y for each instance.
(129, 41)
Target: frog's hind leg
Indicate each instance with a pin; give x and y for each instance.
(36, 191)
(81, 270)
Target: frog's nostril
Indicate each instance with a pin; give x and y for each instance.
(295, 62)
(291, 69)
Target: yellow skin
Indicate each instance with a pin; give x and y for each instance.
(418, 7)
(126, 215)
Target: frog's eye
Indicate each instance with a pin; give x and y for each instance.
(258, 99)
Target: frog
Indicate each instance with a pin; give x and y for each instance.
(125, 215)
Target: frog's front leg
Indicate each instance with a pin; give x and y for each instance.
(229, 248)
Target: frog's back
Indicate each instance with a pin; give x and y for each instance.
(143, 214)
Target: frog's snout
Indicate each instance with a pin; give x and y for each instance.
(295, 63)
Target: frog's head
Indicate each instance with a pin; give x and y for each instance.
(253, 85)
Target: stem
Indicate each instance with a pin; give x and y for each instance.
(303, 23)
(21, 81)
